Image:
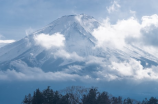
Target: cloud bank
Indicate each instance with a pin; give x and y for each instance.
(26, 73)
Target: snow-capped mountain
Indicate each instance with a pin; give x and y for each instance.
(79, 48)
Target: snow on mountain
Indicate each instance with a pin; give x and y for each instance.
(79, 49)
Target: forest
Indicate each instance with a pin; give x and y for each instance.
(79, 95)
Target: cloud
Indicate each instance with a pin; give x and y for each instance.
(6, 41)
(129, 31)
(29, 31)
(133, 12)
(73, 69)
(148, 21)
(132, 69)
(48, 41)
(112, 68)
(66, 55)
(2, 41)
(26, 73)
(115, 35)
(114, 7)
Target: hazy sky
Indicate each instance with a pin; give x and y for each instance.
(17, 17)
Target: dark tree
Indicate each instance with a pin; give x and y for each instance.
(128, 101)
(64, 100)
(103, 98)
(91, 97)
(79, 95)
(27, 99)
(152, 100)
(145, 101)
(37, 97)
(48, 96)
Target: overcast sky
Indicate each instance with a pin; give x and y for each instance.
(17, 17)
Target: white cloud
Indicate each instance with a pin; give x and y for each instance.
(132, 69)
(114, 35)
(26, 73)
(148, 21)
(70, 56)
(6, 41)
(114, 7)
(49, 41)
(124, 70)
(130, 31)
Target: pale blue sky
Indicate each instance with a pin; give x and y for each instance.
(17, 16)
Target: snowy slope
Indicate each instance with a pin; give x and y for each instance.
(79, 44)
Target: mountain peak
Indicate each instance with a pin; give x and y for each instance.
(61, 24)
(82, 16)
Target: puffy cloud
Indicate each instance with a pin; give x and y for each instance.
(130, 31)
(115, 35)
(48, 41)
(148, 21)
(130, 70)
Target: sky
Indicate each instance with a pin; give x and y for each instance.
(123, 22)
(19, 17)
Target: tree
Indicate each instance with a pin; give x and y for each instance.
(27, 99)
(103, 98)
(75, 93)
(145, 101)
(56, 98)
(128, 101)
(152, 100)
(48, 96)
(91, 97)
(37, 97)
(64, 99)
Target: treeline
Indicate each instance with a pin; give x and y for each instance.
(79, 95)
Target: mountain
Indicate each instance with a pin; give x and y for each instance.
(65, 53)
(79, 48)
